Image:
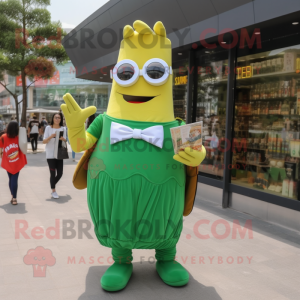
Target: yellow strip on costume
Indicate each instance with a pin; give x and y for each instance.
(80, 140)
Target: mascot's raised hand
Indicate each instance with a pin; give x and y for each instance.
(75, 118)
(74, 115)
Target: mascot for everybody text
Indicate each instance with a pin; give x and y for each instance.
(137, 189)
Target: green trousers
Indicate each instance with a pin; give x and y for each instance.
(122, 255)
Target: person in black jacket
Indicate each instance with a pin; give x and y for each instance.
(34, 127)
(90, 120)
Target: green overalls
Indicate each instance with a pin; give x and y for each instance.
(135, 191)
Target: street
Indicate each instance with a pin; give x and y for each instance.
(257, 263)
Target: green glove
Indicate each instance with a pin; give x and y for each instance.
(75, 119)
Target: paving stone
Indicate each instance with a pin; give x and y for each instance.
(273, 271)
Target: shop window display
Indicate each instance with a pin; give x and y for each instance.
(212, 75)
(49, 93)
(101, 101)
(85, 95)
(50, 96)
(93, 96)
(180, 80)
(266, 151)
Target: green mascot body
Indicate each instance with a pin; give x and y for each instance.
(136, 186)
(137, 201)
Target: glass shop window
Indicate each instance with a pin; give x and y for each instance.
(266, 151)
(212, 74)
(180, 82)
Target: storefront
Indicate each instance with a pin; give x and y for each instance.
(245, 87)
(49, 93)
(7, 102)
(267, 120)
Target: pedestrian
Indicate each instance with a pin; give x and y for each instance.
(27, 122)
(13, 159)
(90, 120)
(55, 165)
(34, 127)
(44, 124)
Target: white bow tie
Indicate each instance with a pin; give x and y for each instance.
(153, 135)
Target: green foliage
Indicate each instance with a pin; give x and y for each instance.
(35, 18)
(26, 33)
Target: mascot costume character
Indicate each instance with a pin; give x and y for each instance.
(138, 191)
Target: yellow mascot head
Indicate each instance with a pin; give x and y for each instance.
(142, 77)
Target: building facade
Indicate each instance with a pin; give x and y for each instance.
(7, 102)
(236, 68)
(48, 94)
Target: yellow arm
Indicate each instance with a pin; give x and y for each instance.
(80, 139)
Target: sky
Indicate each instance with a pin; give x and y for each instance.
(73, 12)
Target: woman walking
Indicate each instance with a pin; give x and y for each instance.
(55, 165)
(13, 159)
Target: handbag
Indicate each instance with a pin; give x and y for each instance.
(62, 152)
(60, 149)
(23, 140)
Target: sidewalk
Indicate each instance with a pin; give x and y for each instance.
(40, 147)
(221, 265)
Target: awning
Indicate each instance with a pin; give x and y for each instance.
(42, 110)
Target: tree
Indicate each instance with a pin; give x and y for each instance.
(4, 82)
(27, 35)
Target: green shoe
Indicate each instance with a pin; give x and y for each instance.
(116, 277)
(172, 273)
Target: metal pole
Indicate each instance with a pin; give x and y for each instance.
(229, 124)
(191, 71)
(195, 91)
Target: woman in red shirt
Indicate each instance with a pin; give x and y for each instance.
(13, 159)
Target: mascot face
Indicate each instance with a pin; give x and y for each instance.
(142, 78)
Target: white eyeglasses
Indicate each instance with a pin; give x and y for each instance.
(155, 71)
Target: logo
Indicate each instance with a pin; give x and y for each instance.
(12, 151)
(95, 166)
(39, 258)
(13, 156)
